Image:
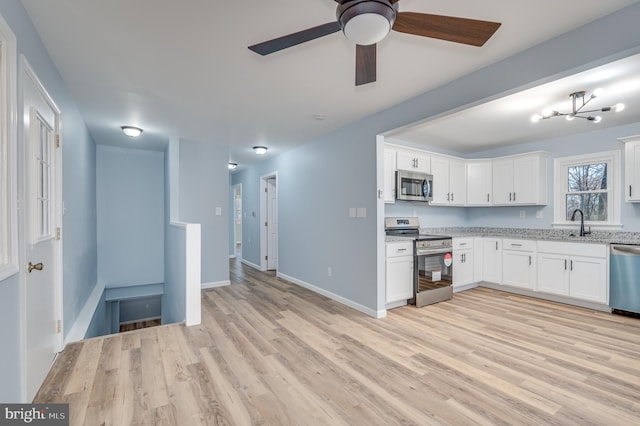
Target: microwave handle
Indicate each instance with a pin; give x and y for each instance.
(426, 184)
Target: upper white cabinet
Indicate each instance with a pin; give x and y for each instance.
(479, 183)
(632, 169)
(389, 189)
(414, 161)
(449, 181)
(520, 180)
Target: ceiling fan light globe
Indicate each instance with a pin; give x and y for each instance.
(535, 118)
(367, 28)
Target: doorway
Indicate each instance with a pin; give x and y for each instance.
(41, 242)
(269, 222)
(237, 220)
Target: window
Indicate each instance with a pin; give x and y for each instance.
(8, 222)
(43, 148)
(588, 183)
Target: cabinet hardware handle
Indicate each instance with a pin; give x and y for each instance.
(514, 196)
(463, 244)
(516, 245)
(448, 196)
(496, 245)
(629, 190)
(509, 196)
(565, 264)
(529, 260)
(571, 263)
(487, 198)
(402, 249)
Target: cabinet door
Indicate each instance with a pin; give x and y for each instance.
(457, 183)
(477, 259)
(632, 171)
(553, 274)
(440, 172)
(479, 183)
(518, 269)
(462, 267)
(502, 182)
(525, 180)
(389, 189)
(413, 161)
(492, 260)
(588, 279)
(399, 278)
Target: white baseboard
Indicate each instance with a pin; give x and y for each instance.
(253, 265)
(337, 298)
(79, 328)
(216, 284)
(464, 287)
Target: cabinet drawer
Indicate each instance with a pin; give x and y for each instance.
(399, 249)
(462, 243)
(520, 245)
(573, 249)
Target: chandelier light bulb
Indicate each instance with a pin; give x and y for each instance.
(535, 118)
(597, 119)
(547, 112)
(598, 92)
(618, 107)
(570, 117)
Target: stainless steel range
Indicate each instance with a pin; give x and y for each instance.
(433, 261)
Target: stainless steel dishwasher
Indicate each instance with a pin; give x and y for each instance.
(624, 278)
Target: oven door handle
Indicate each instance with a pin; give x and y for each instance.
(432, 252)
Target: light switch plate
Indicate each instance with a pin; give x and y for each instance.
(361, 212)
(352, 212)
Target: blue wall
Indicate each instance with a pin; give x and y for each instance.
(203, 187)
(130, 196)
(79, 222)
(319, 181)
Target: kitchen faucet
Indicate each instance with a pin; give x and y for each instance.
(573, 218)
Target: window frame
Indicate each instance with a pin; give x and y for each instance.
(8, 153)
(561, 166)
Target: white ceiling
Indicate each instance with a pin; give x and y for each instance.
(182, 68)
(507, 120)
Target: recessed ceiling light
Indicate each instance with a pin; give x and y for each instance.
(260, 150)
(131, 131)
(232, 166)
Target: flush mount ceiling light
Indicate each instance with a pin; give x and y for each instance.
(260, 150)
(232, 166)
(131, 131)
(578, 111)
(366, 22)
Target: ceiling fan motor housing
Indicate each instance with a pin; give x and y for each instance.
(366, 22)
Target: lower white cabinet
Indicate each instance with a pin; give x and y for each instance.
(463, 262)
(573, 269)
(492, 260)
(399, 271)
(519, 263)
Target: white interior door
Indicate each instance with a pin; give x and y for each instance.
(42, 188)
(272, 224)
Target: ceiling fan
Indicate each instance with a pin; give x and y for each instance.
(366, 22)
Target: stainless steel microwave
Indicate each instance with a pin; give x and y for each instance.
(414, 186)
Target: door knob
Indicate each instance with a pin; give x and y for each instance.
(37, 267)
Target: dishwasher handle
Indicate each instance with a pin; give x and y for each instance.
(625, 249)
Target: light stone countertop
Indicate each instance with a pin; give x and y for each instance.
(566, 235)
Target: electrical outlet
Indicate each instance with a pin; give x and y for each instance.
(523, 214)
(539, 214)
(330, 271)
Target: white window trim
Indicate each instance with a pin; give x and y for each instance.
(8, 152)
(613, 180)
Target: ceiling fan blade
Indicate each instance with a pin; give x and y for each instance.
(449, 28)
(365, 64)
(280, 43)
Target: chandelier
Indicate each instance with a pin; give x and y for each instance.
(578, 111)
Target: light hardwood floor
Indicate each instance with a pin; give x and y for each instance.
(270, 352)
